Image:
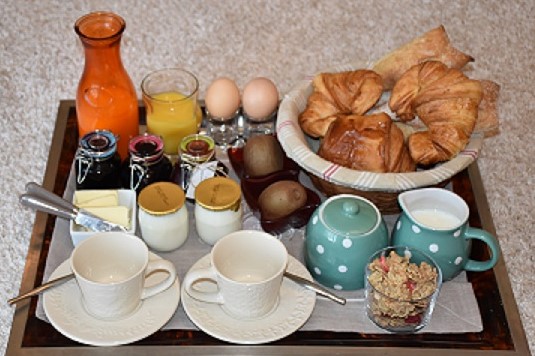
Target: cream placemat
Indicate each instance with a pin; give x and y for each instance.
(456, 310)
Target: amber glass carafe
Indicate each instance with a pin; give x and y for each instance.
(106, 98)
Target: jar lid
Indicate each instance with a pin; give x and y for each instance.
(218, 193)
(98, 144)
(196, 148)
(161, 198)
(350, 215)
(146, 148)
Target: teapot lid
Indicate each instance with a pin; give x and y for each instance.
(350, 215)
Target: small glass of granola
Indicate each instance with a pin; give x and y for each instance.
(402, 285)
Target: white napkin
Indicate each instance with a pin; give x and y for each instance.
(456, 310)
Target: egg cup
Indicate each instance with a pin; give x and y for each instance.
(223, 130)
(264, 126)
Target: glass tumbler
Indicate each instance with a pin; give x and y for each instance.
(170, 97)
(402, 285)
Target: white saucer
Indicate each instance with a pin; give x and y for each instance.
(295, 307)
(64, 309)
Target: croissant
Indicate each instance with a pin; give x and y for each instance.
(446, 101)
(433, 45)
(351, 92)
(367, 143)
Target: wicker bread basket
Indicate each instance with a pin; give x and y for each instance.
(331, 179)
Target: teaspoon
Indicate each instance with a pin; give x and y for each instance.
(315, 287)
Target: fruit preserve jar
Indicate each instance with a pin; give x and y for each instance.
(106, 98)
(97, 162)
(196, 162)
(146, 164)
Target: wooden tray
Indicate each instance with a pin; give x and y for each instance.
(503, 333)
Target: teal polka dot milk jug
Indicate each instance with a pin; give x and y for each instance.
(435, 221)
(341, 235)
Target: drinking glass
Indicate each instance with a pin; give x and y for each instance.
(170, 97)
(402, 285)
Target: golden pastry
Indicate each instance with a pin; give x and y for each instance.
(351, 92)
(366, 143)
(446, 101)
(433, 45)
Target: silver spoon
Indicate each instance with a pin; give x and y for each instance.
(41, 288)
(315, 287)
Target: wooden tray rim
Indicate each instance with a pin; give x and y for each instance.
(36, 243)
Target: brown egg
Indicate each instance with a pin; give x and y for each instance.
(222, 98)
(260, 98)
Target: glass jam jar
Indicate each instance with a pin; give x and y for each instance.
(146, 164)
(218, 209)
(97, 163)
(163, 216)
(196, 163)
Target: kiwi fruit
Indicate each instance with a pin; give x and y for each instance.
(262, 155)
(281, 198)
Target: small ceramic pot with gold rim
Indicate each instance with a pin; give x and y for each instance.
(163, 216)
(218, 209)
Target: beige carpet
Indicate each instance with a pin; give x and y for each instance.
(41, 61)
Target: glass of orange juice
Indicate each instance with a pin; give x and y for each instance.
(170, 98)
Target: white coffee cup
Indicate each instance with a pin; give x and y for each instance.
(111, 269)
(248, 267)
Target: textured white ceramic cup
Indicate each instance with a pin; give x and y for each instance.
(111, 268)
(248, 267)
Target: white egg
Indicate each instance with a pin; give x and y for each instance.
(222, 98)
(260, 98)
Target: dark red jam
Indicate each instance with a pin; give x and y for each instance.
(146, 163)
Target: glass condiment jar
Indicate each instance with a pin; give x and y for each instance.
(163, 216)
(97, 163)
(196, 162)
(106, 97)
(146, 164)
(218, 209)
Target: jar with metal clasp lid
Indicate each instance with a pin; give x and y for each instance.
(97, 162)
(196, 162)
(218, 210)
(146, 163)
(163, 216)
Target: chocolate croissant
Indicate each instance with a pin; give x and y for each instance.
(370, 143)
(446, 101)
(433, 45)
(351, 92)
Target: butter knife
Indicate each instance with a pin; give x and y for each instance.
(69, 211)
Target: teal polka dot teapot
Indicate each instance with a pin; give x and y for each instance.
(341, 235)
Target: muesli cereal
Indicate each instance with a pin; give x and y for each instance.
(401, 291)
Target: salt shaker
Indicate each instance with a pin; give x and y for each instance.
(217, 208)
(163, 216)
